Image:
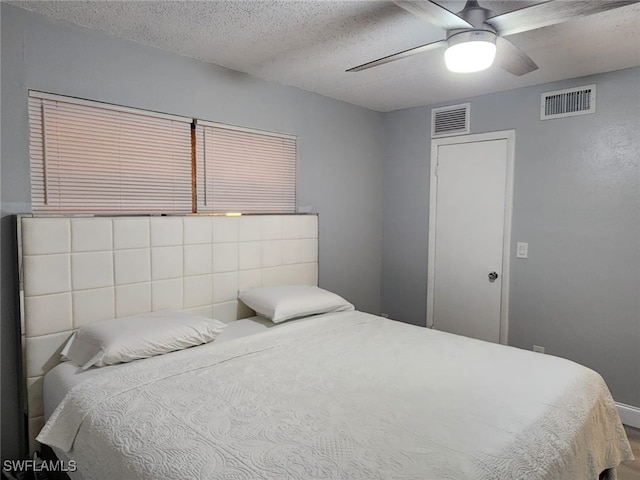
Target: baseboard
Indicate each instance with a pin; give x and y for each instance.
(629, 415)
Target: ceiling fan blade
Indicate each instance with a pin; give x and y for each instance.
(399, 55)
(512, 59)
(434, 13)
(550, 13)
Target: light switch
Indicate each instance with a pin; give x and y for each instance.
(522, 250)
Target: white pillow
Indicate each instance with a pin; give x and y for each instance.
(292, 301)
(139, 336)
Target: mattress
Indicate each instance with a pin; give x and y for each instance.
(348, 395)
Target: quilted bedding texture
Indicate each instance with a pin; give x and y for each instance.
(346, 396)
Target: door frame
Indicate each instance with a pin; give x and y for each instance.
(436, 143)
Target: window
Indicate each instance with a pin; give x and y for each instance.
(90, 157)
(242, 170)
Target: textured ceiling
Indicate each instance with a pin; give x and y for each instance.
(310, 44)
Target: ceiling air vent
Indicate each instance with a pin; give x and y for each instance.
(450, 120)
(568, 102)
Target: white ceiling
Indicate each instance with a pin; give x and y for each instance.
(310, 44)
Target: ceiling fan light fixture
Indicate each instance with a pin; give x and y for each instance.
(470, 51)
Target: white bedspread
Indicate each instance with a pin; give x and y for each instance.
(346, 396)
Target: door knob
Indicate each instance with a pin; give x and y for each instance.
(493, 277)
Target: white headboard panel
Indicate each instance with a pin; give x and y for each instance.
(77, 270)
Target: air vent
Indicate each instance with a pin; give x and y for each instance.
(568, 103)
(450, 120)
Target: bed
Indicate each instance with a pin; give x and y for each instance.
(324, 394)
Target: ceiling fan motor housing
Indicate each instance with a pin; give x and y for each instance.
(476, 35)
(476, 16)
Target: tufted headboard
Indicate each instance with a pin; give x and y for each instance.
(76, 270)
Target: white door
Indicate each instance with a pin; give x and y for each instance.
(470, 215)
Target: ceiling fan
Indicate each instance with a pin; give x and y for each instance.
(475, 34)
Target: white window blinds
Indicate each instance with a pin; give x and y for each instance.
(88, 157)
(242, 170)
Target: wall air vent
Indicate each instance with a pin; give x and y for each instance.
(450, 120)
(568, 102)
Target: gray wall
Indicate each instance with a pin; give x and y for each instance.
(340, 147)
(577, 203)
